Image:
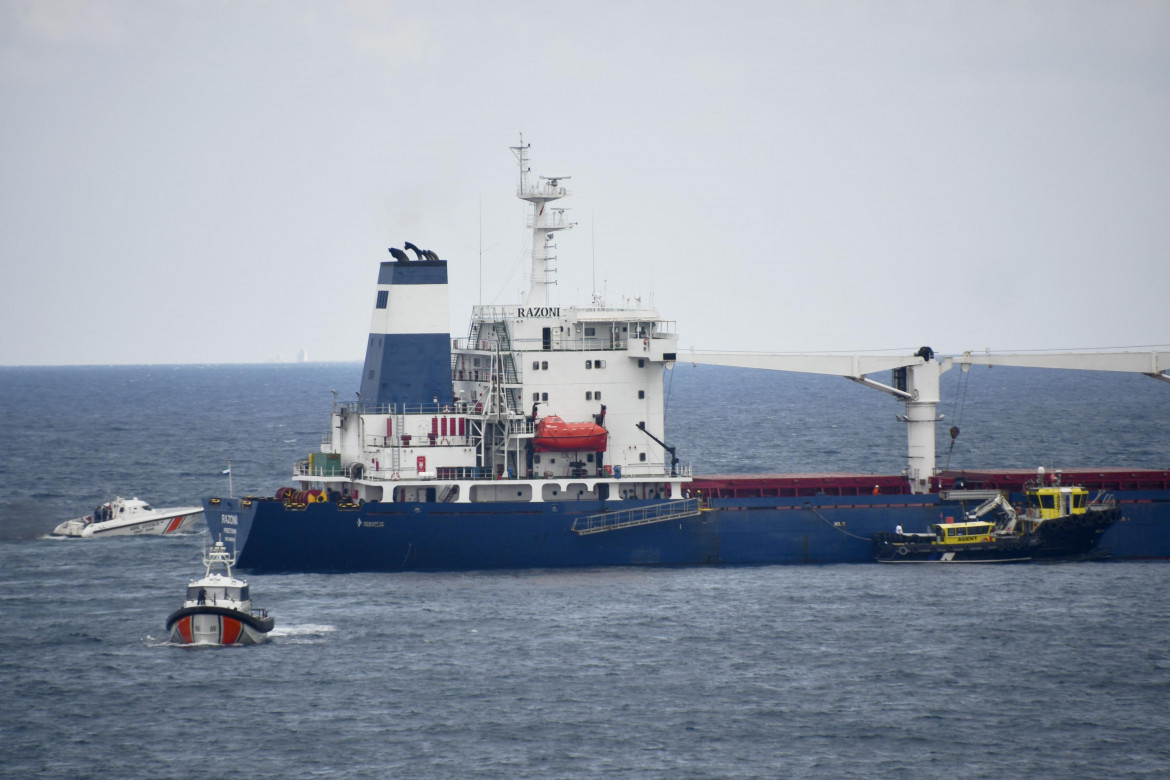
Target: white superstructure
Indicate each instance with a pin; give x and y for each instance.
(594, 366)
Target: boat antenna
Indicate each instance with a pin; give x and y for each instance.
(593, 250)
(228, 471)
(481, 249)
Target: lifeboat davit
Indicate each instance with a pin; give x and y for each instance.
(555, 435)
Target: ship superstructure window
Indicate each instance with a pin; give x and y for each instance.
(536, 396)
(641, 393)
(383, 296)
(641, 362)
(588, 364)
(544, 365)
(591, 331)
(535, 365)
(544, 396)
(588, 395)
(642, 456)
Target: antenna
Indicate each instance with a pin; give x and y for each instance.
(593, 249)
(481, 249)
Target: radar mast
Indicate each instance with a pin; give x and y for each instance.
(544, 222)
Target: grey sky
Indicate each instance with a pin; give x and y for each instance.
(217, 181)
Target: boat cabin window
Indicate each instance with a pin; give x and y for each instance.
(1079, 500)
(148, 507)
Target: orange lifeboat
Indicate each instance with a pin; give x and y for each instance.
(555, 435)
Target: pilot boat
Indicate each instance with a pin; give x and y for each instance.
(1058, 522)
(218, 609)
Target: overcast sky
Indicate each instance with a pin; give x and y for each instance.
(217, 181)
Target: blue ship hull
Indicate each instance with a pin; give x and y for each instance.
(327, 537)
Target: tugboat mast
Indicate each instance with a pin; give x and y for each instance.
(544, 223)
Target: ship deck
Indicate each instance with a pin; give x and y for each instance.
(846, 484)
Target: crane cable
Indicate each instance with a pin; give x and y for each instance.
(957, 412)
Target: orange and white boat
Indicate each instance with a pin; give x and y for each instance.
(218, 609)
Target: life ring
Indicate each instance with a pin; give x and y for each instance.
(394, 477)
(443, 442)
(446, 408)
(645, 343)
(902, 551)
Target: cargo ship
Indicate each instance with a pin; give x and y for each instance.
(538, 440)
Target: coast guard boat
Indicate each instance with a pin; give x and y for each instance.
(218, 609)
(539, 440)
(130, 517)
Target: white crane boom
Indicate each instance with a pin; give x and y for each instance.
(918, 383)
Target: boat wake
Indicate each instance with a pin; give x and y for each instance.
(305, 632)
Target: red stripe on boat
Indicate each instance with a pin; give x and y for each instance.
(174, 526)
(230, 631)
(184, 627)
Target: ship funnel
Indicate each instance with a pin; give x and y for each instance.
(417, 252)
(408, 355)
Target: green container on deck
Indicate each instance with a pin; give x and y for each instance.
(325, 464)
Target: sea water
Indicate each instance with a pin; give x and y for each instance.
(777, 671)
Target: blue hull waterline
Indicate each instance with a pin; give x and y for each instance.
(539, 440)
(430, 537)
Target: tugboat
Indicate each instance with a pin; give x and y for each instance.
(1059, 523)
(218, 609)
(130, 517)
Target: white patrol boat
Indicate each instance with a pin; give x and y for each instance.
(218, 608)
(130, 517)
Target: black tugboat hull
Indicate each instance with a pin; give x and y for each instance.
(899, 548)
